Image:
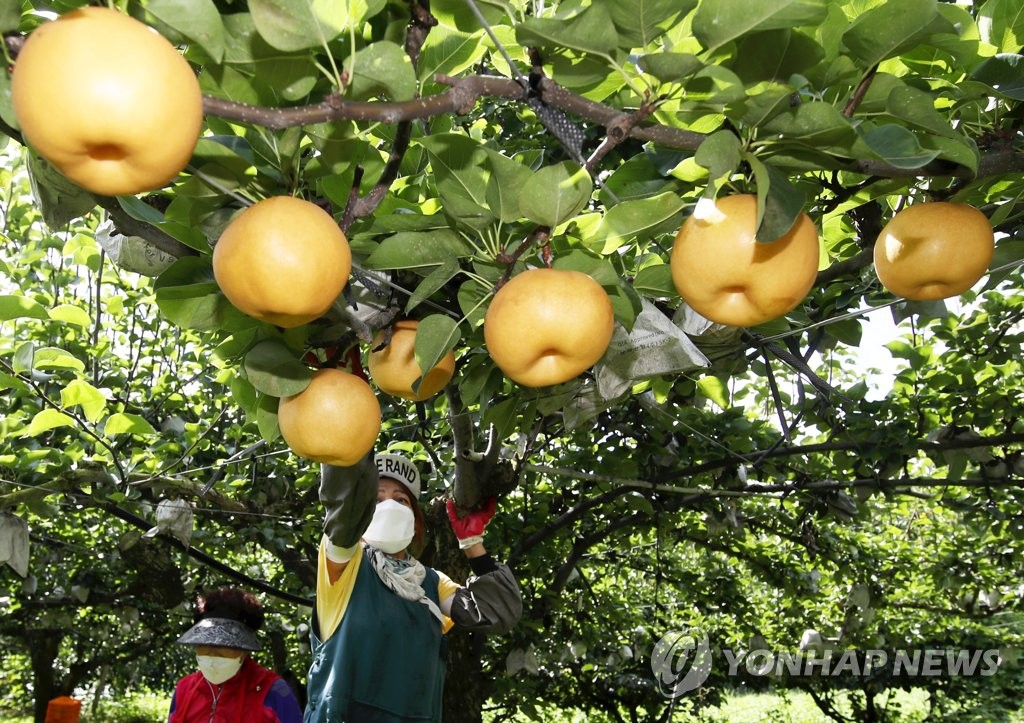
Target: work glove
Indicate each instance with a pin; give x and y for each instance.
(470, 529)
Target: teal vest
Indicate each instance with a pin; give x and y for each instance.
(384, 663)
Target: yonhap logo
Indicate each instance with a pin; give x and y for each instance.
(681, 662)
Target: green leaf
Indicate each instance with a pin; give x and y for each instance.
(599, 269)
(6, 106)
(273, 369)
(69, 314)
(49, 357)
(590, 31)
(918, 108)
(887, 29)
(20, 307)
(9, 381)
(776, 55)
(848, 331)
(197, 306)
(960, 150)
(256, 72)
(80, 393)
(503, 416)
(59, 200)
(381, 69)
(641, 22)
(126, 423)
(394, 223)
(720, 154)
(188, 295)
(555, 194)
(638, 178)
(299, 24)
(24, 356)
(436, 335)
(140, 210)
(454, 14)
(461, 174)
(715, 389)
(670, 67)
(587, 74)
(416, 249)
(505, 185)
(779, 202)
(816, 124)
(266, 417)
(916, 355)
(1004, 73)
(655, 281)
(715, 85)
(244, 395)
(472, 295)
(433, 282)
(10, 15)
(449, 52)
(46, 420)
(718, 22)
(897, 146)
(197, 20)
(1002, 24)
(630, 221)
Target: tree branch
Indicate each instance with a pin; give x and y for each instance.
(130, 226)
(860, 92)
(367, 204)
(465, 91)
(847, 267)
(458, 99)
(207, 560)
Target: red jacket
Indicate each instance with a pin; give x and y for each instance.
(238, 700)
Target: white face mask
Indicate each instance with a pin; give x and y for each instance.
(392, 527)
(217, 669)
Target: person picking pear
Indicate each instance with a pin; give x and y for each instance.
(380, 615)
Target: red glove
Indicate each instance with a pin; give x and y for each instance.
(470, 529)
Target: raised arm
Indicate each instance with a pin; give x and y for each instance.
(348, 495)
(490, 601)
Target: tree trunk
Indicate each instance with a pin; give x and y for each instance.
(465, 688)
(870, 711)
(43, 646)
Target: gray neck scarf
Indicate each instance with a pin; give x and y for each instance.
(403, 577)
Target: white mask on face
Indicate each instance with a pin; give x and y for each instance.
(392, 527)
(217, 669)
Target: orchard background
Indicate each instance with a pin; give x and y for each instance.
(750, 483)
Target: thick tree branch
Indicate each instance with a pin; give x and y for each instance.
(420, 23)
(755, 489)
(98, 478)
(615, 133)
(622, 486)
(130, 226)
(464, 92)
(205, 559)
(458, 99)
